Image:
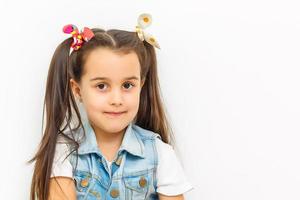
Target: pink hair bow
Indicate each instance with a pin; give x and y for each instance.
(78, 37)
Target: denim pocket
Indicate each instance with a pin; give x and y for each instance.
(137, 186)
(84, 183)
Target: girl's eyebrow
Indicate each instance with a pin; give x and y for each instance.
(105, 78)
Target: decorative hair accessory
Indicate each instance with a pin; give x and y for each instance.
(145, 20)
(78, 37)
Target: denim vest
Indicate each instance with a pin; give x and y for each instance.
(133, 171)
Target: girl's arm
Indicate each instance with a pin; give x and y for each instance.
(177, 197)
(67, 191)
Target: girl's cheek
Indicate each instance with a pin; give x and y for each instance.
(131, 98)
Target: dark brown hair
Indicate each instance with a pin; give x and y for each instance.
(61, 106)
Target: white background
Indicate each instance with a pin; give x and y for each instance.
(229, 72)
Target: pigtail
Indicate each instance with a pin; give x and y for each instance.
(58, 109)
(152, 114)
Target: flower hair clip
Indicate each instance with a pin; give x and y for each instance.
(144, 21)
(78, 37)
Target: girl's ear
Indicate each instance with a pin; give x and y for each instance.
(75, 89)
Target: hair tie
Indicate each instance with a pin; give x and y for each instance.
(144, 21)
(78, 37)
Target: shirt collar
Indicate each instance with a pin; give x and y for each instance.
(130, 143)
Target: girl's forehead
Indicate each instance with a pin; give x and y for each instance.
(106, 63)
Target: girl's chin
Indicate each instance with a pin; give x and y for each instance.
(114, 128)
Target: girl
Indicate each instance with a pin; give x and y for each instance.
(121, 148)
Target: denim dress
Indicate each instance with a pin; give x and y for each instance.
(133, 171)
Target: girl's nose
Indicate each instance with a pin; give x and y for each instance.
(116, 97)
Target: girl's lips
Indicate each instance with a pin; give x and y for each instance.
(114, 113)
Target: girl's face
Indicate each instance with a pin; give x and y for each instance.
(111, 83)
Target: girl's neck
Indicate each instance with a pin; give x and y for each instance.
(104, 138)
(109, 143)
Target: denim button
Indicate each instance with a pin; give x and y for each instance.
(142, 182)
(114, 193)
(84, 182)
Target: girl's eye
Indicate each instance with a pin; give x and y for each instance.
(128, 84)
(100, 86)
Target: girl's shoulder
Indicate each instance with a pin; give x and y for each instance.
(161, 146)
(145, 133)
(166, 152)
(61, 165)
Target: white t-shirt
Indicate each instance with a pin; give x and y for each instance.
(171, 179)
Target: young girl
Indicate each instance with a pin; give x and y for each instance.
(121, 149)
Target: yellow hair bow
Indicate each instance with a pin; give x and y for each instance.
(145, 20)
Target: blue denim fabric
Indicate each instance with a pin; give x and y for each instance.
(133, 172)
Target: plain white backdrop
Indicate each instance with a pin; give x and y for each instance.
(229, 72)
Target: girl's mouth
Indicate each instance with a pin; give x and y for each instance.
(115, 114)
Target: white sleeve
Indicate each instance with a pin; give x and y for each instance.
(171, 179)
(61, 166)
